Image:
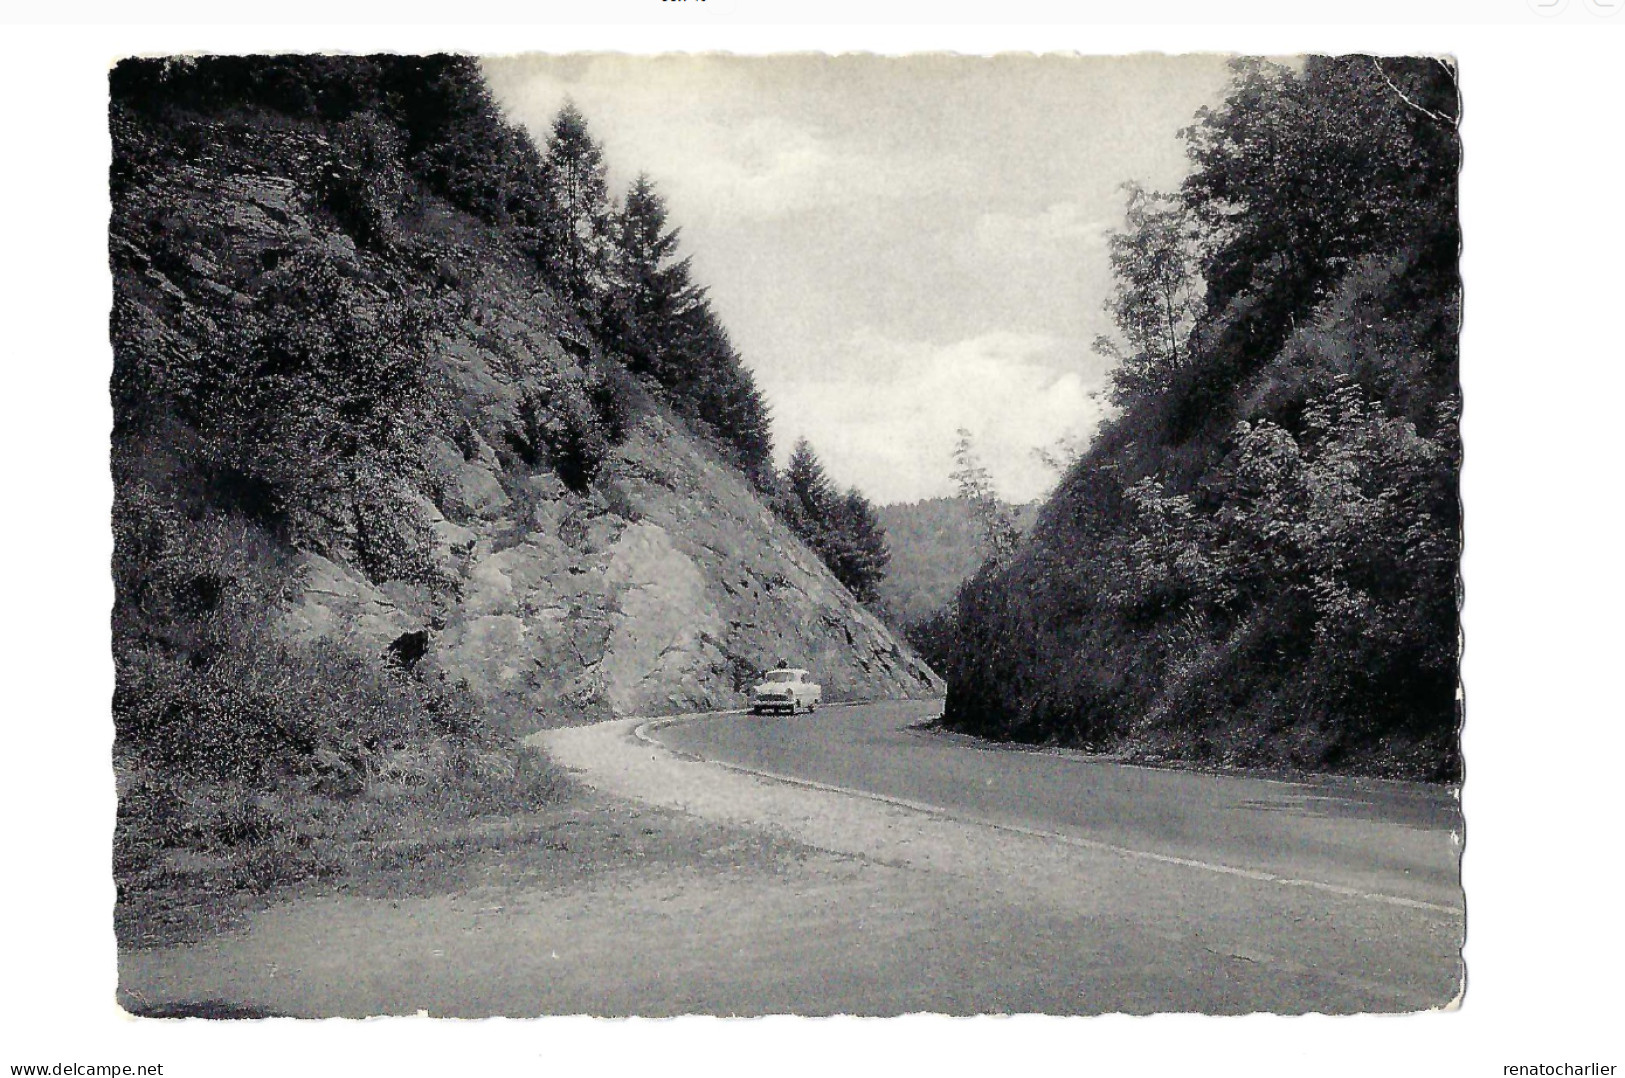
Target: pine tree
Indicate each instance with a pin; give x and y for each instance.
(710, 384)
(456, 139)
(621, 272)
(842, 529)
(809, 491)
(654, 286)
(579, 223)
(860, 539)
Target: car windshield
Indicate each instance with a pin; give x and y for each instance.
(780, 675)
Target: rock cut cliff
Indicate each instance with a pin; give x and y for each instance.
(655, 581)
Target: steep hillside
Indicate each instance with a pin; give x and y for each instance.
(579, 579)
(384, 499)
(1255, 563)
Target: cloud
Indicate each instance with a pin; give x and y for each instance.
(958, 207)
(1057, 253)
(1058, 224)
(883, 413)
(761, 168)
(699, 127)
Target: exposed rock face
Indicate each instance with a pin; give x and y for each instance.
(666, 585)
(672, 601)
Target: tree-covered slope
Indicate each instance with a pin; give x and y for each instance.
(936, 545)
(1255, 562)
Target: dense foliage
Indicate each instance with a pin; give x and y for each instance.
(431, 121)
(1255, 561)
(275, 321)
(936, 545)
(663, 322)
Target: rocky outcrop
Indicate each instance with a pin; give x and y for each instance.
(664, 584)
(670, 601)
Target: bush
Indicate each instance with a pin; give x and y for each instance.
(361, 183)
(559, 428)
(254, 708)
(617, 399)
(393, 539)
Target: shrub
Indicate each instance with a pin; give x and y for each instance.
(361, 182)
(558, 427)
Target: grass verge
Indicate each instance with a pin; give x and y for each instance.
(188, 856)
(548, 833)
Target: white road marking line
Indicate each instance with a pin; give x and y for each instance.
(643, 733)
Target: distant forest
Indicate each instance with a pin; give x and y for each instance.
(1255, 561)
(936, 545)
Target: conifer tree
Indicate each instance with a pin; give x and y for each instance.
(579, 223)
(860, 546)
(621, 272)
(843, 529)
(708, 382)
(456, 140)
(809, 490)
(654, 286)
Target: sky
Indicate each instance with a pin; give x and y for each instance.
(899, 247)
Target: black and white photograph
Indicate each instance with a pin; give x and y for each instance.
(808, 535)
(717, 537)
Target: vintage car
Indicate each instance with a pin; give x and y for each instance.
(785, 689)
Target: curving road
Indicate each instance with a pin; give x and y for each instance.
(859, 866)
(1384, 839)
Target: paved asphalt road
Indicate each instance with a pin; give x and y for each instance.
(1376, 837)
(1034, 882)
